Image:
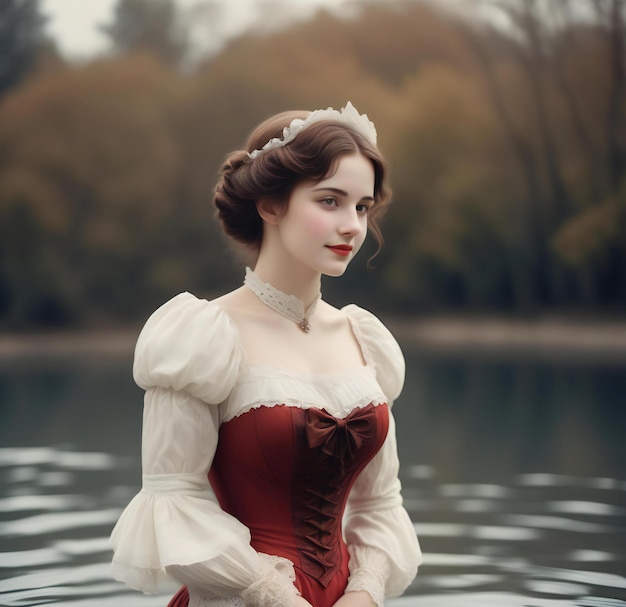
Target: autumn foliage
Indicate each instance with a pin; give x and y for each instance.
(507, 157)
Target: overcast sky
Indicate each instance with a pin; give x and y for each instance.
(74, 23)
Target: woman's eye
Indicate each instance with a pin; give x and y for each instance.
(329, 202)
(362, 208)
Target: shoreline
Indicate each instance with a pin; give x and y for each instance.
(86, 342)
(554, 337)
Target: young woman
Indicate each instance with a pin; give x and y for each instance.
(270, 470)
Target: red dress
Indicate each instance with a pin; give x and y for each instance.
(286, 472)
(282, 450)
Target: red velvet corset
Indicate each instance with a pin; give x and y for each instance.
(285, 472)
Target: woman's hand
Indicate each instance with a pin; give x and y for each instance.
(355, 598)
(300, 602)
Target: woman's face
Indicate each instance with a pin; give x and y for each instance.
(326, 221)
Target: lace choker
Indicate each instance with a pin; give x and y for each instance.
(288, 306)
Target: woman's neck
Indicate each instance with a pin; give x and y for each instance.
(290, 278)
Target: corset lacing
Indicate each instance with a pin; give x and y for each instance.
(332, 464)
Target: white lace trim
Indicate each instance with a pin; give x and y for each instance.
(370, 580)
(199, 598)
(338, 394)
(286, 402)
(274, 585)
(288, 306)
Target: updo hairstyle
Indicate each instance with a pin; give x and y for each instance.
(312, 155)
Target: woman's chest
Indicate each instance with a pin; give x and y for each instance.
(288, 445)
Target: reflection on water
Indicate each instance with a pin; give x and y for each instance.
(512, 471)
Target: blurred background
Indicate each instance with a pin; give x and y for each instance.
(504, 125)
(503, 272)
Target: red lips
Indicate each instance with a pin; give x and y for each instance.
(341, 249)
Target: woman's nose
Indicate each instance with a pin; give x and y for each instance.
(351, 222)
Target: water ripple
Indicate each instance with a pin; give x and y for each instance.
(476, 505)
(589, 508)
(467, 580)
(467, 562)
(596, 578)
(456, 560)
(49, 594)
(554, 522)
(24, 503)
(418, 471)
(591, 555)
(558, 588)
(18, 456)
(482, 599)
(562, 480)
(440, 529)
(502, 533)
(59, 576)
(593, 601)
(485, 532)
(476, 490)
(50, 523)
(30, 558)
(84, 546)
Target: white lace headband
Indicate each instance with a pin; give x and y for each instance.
(348, 115)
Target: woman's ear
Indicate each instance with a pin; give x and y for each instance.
(269, 210)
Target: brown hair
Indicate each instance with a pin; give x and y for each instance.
(313, 154)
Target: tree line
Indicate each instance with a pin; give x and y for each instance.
(506, 145)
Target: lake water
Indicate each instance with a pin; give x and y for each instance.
(513, 472)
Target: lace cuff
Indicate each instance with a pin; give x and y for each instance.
(369, 571)
(273, 585)
(370, 580)
(198, 598)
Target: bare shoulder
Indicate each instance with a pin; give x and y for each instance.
(240, 302)
(244, 307)
(231, 299)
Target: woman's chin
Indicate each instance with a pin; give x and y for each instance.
(336, 271)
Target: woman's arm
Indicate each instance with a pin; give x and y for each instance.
(175, 528)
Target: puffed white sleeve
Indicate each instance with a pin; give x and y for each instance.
(384, 550)
(187, 359)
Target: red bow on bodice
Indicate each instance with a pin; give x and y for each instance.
(338, 437)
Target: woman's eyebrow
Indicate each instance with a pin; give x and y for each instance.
(340, 192)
